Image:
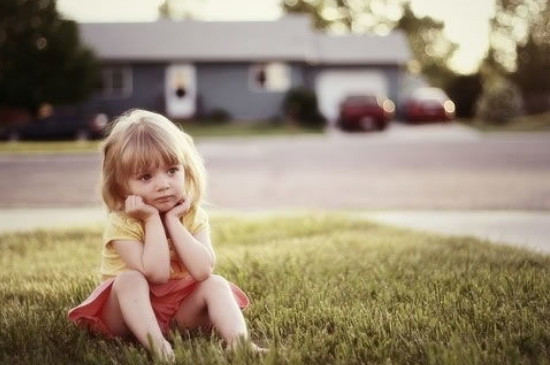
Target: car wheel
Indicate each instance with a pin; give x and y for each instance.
(367, 123)
(380, 126)
(82, 135)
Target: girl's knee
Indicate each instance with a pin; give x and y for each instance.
(130, 279)
(216, 282)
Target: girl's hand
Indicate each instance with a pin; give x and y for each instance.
(135, 207)
(180, 209)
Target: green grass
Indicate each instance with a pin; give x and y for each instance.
(243, 129)
(528, 123)
(29, 147)
(325, 289)
(196, 130)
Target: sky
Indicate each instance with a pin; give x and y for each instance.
(466, 21)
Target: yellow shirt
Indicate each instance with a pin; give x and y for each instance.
(123, 227)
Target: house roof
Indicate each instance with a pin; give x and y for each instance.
(290, 38)
(354, 49)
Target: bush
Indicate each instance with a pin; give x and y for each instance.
(465, 91)
(501, 101)
(219, 115)
(300, 107)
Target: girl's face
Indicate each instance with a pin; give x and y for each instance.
(162, 186)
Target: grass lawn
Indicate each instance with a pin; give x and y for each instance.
(241, 129)
(325, 289)
(196, 130)
(529, 123)
(32, 147)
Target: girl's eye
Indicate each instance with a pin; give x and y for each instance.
(173, 170)
(145, 177)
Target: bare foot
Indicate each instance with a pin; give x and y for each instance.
(246, 344)
(166, 353)
(257, 349)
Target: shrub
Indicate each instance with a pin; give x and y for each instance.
(500, 101)
(300, 107)
(465, 90)
(219, 115)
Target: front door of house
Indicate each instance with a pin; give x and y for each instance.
(181, 90)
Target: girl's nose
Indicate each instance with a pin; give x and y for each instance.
(162, 183)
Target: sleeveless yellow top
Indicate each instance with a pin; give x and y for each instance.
(123, 227)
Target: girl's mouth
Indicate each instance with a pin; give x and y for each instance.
(164, 199)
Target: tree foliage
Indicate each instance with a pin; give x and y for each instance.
(520, 48)
(430, 47)
(513, 23)
(465, 90)
(41, 58)
(532, 73)
(301, 107)
(180, 9)
(501, 101)
(345, 16)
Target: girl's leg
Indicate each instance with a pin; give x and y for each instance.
(213, 303)
(129, 309)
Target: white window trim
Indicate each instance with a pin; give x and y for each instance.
(252, 84)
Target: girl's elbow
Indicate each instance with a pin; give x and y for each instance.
(203, 274)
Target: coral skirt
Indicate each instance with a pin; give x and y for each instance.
(165, 299)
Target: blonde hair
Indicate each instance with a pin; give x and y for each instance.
(138, 139)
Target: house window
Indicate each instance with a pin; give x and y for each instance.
(274, 76)
(116, 81)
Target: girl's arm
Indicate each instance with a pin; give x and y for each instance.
(152, 258)
(195, 252)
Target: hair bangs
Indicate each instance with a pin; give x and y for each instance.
(145, 150)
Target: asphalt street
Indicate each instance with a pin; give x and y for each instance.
(408, 176)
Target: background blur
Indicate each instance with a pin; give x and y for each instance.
(490, 56)
(482, 146)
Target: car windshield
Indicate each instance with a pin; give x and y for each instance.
(429, 94)
(361, 99)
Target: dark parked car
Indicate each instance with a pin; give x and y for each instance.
(428, 104)
(365, 112)
(57, 127)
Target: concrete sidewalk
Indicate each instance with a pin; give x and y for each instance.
(526, 229)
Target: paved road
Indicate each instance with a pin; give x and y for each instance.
(445, 179)
(427, 167)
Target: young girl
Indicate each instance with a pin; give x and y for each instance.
(157, 259)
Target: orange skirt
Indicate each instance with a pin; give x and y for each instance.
(165, 300)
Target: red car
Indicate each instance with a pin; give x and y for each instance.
(365, 112)
(429, 104)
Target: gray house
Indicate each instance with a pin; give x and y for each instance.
(193, 68)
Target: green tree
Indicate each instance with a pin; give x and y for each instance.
(301, 107)
(465, 90)
(431, 48)
(511, 26)
(500, 101)
(345, 16)
(180, 9)
(520, 48)
(532, 73)
(41, 58)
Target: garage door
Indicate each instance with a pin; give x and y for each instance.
(332, 86)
